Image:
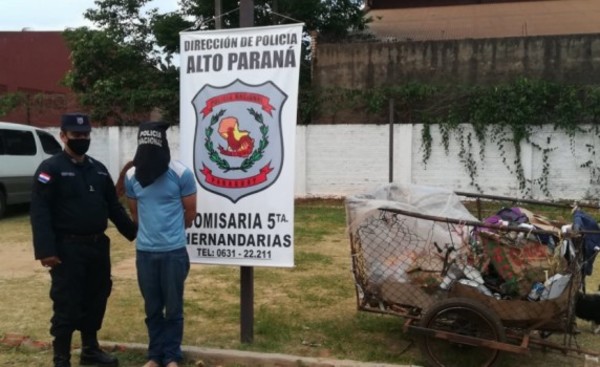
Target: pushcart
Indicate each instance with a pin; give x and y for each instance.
(468, 289)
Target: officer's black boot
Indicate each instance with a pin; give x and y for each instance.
(61, 345)
(62, 360)
(92, 355)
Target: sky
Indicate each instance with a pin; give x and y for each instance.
(54, 15)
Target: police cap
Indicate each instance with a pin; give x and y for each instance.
(78, 122)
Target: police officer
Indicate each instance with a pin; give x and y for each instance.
(73, 197)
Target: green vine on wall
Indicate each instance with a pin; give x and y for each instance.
(589, 164)
(504, 115)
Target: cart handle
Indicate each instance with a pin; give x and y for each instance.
(526, 201)
(570, 234)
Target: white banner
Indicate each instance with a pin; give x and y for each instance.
(239, 97)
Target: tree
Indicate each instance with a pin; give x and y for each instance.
(10, 101)
(124, 69)
(118, 71)
(335, 20)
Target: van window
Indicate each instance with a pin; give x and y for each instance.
(49, 144)
(18, 142)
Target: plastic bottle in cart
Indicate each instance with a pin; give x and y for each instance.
(536, 291)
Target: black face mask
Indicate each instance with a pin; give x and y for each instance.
(79, 146)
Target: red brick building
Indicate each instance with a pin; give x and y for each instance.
(34, 64)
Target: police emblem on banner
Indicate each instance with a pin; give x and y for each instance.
(238, 143)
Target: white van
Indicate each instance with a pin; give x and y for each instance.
(22, 149)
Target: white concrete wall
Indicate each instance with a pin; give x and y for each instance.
(338, 160)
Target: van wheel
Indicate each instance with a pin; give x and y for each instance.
(2, 203)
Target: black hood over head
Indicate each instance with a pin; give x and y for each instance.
(152, 156)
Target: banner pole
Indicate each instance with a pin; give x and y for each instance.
(247, 272)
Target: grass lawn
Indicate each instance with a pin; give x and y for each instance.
(308, 310)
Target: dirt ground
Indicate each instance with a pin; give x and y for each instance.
(16, 261)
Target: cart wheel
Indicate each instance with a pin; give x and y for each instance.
(465, 317)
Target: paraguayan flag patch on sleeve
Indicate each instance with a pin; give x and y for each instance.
(43, 177)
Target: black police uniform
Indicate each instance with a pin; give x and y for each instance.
(70, 207)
